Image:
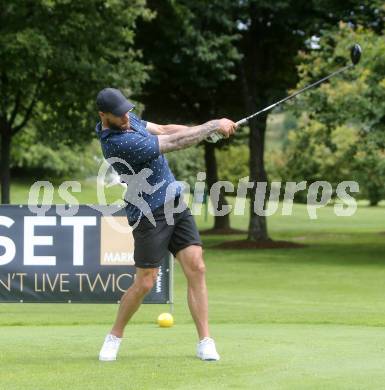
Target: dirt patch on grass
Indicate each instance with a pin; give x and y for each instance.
(247, 244)
(228, 231)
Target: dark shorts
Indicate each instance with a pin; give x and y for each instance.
(152, 243)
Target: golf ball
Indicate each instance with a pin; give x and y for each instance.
(165, 320)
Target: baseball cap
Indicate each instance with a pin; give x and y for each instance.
(113, 101)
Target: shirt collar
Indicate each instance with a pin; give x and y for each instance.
(103, 133)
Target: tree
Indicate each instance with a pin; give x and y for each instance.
(192, 58)
(55, 56)
(342, 128)
(272, 35)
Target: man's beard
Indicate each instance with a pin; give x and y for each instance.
(111, 126)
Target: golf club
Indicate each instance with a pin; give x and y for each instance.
(355, 56)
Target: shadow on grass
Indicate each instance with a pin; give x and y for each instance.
(248, 244)
(364, 249)
(224, 232)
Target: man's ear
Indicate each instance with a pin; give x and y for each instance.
(102, 115)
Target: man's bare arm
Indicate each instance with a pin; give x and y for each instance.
(195, 134)
(156, 129)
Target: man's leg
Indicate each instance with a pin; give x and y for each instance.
(129, 304)
(133, 297)
(191, 260)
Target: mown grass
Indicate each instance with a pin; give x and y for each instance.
(308, 318)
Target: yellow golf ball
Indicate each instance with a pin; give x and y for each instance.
(165, 320)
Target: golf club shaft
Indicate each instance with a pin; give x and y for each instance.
(243, 121)
(215, 137)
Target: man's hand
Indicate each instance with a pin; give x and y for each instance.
(226, 127)
(195, 134)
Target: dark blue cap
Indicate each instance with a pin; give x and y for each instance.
(113, 101)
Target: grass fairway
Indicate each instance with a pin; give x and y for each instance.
(310, 318)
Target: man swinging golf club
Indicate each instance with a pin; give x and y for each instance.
(141, 145)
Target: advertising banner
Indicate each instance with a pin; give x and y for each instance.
(63, 254)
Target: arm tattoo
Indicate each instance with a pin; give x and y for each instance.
(182, 140)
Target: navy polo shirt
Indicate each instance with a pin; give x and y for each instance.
(140, 151)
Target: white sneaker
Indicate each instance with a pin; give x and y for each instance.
(206, 349)
(110, 348)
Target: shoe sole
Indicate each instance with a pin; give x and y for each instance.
(106, 360)
(207, 360)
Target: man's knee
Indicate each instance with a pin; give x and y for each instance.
(145, 280)
(195, 264)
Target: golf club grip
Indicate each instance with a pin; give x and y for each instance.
(215, 137)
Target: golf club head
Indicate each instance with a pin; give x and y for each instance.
(355, 53)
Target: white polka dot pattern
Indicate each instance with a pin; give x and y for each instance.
(140, 150)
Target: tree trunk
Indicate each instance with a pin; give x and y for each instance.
(257, 224)
(374, 194)
(5, 166)
(220, 222)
